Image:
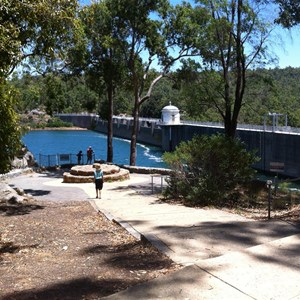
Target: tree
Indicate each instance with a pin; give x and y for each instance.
(159, 98)
(235, 41)
(289, 13)
(104, 61)
(34, 28)
(55, 90)
(10, 132)
(151, 31)
(207, 169)
(28, 28)
(139, 35)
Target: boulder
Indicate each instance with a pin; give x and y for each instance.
(10, 195)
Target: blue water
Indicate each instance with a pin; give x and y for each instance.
(48, 142)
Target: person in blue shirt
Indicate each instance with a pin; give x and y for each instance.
(98, 175)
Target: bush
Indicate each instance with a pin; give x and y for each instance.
(57, 123)
(10, 132)
(208, 169)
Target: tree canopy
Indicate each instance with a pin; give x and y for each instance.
(289, 13)
(28, 28)
(234, 41)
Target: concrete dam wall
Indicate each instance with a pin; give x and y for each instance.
(278, 151)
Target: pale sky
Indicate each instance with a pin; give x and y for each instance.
(286, 45)
(289, 51)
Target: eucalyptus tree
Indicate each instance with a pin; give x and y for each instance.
(154, 32)
(236, 40)
(140, 36)
(104, 58)
(28, 28)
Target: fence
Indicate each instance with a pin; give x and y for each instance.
(52, 160)
(283, 201)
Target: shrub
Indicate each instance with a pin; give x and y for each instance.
(208, 169)
(56, 123)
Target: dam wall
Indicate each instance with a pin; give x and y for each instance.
(278, 150)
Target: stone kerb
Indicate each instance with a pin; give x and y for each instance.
(85, 174)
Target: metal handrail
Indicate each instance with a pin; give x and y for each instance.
(52, 160)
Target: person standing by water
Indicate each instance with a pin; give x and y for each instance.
(98, 175)
(89, 154)
(79, 157)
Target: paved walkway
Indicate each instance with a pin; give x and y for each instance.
(224, 256)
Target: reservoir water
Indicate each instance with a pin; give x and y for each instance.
(51, 142)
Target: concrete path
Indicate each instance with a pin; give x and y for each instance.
(224, 256)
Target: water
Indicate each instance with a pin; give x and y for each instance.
(48, 142)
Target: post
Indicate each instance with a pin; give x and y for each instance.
(269, 185)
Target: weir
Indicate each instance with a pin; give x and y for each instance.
(274, 145)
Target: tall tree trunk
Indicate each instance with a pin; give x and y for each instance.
(228, 124)
(110, 93)
(230, 127)
(240, 67)
(231, 114)
(134, 133)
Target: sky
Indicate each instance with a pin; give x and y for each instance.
(286, 44)
(289, 52)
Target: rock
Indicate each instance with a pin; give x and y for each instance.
(30, 159)
(9, 195)
(20, 191)
(24, 159)
(19, 163)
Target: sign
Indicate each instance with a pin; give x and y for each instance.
(64, 157)
(276, 167)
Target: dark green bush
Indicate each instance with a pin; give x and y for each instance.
(208, 169)
(56, 123)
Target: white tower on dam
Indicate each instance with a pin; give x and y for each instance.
(170, 115)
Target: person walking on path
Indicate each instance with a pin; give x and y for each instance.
(98, 175)
(89, 153)
(79, 157)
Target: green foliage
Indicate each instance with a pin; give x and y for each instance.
(10, 131)
(233, 42)
(267, 90)
(33, 27)
(273, 90)
(139, 34)
(289, 13)
(56, 123)
(104, 56)
(54, 93)
(208, 169)
(160, 97)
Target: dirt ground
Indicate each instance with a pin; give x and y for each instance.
(67, 250)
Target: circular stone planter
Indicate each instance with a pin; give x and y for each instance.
(85, 173)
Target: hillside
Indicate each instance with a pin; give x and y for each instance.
(272, 90)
